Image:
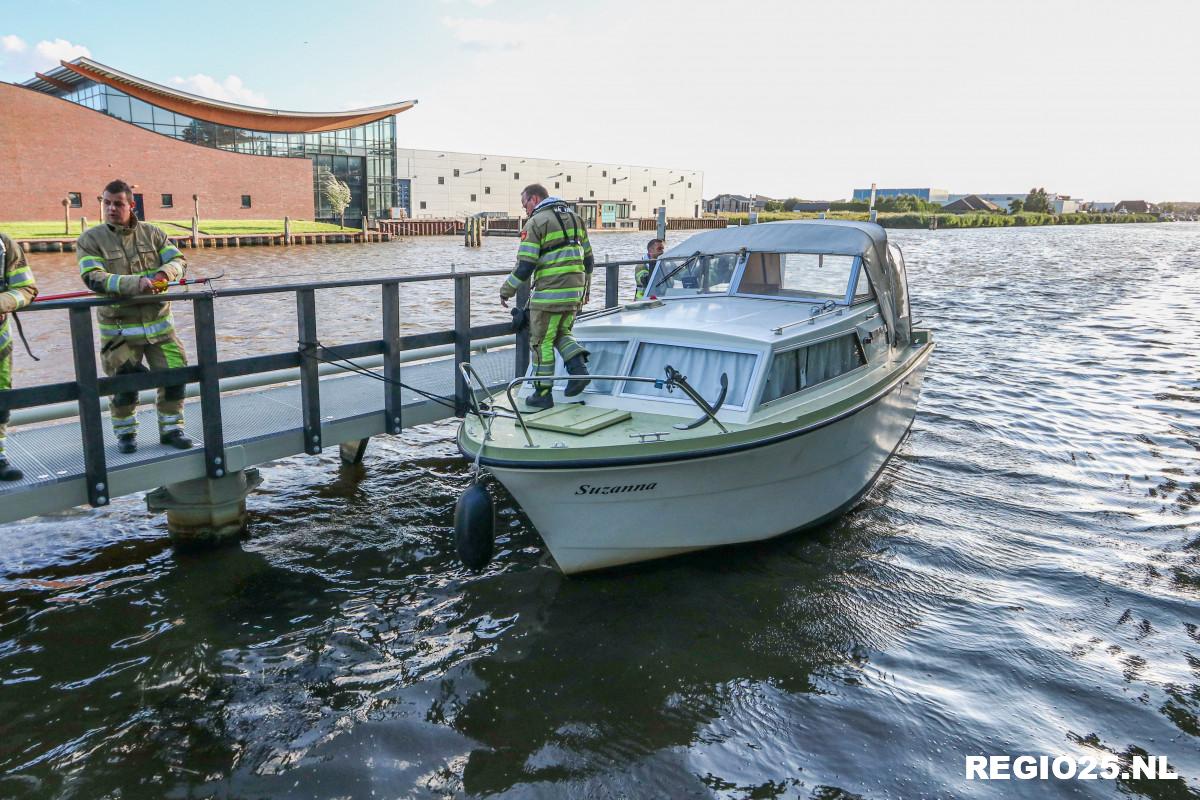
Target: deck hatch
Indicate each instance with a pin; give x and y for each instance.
(576, 419)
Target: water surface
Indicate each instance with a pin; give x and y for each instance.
(1025, 578)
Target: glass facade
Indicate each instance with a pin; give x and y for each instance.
(363, 157)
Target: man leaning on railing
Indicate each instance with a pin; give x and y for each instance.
(128, 258)
(17, 290)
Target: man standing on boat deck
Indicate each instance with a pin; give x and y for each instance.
(128, 258)
(17, 290)
(641, 275)
(556, 254)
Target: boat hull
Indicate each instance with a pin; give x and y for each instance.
(592, 517)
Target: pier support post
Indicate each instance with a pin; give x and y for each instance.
(206, 510)
(353, 452)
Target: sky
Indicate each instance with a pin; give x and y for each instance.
(1093, 99)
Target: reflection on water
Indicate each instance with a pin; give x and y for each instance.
(1025, 579)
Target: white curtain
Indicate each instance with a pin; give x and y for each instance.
(701, 367)
(604, 358)
(827, 360)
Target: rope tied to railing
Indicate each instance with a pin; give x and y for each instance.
(349, 365)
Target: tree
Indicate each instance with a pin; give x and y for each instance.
(1016, 205)
(773, 205)
(337, 194)
(1037, 202)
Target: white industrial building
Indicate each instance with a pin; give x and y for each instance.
(443, 184)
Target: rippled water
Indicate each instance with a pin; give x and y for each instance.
(1024, 579)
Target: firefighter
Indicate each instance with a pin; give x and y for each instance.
(641, 275)
(556, 255)
(17, 290)
(129, 258)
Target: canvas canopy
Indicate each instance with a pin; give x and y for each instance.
(884, 262)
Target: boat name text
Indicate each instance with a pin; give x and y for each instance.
(587, 488)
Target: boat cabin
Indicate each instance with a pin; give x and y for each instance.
(784, 311)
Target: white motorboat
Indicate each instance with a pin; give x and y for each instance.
(760, 390)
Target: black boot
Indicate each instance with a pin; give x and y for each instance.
(540, 400)
(9, 472)
(127, 443)
(177, 439)
(577, 365)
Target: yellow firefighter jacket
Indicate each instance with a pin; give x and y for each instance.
(17, 287)
(113, 260)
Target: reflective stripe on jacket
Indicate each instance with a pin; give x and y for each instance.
(555, 255)
(18, 287)
(113, 260)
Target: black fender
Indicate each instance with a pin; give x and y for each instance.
(475, 527)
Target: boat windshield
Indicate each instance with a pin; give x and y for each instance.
(684, 276)
(803, 276)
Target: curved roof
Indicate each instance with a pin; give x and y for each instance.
(232, 114)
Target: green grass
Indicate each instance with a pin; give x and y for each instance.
(39, 230)
(214, 227)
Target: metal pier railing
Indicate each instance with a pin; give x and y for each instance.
(74, 462)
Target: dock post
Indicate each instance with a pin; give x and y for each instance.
(393, 401)
(210, 389)
(611, 280)
(462, 340)
(661, 229)
(206, 511)
(353, 452)
(95, 465)
(310, 384)
(287, 230)
(522, 353)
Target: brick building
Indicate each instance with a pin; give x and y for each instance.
(66, 133)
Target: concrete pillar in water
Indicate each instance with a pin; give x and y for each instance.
(353, 452)
(206, 510)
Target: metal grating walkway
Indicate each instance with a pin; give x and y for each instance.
(259, 425)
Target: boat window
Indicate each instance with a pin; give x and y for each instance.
(862, 289)
(687, 275)
(701, 366)
(604, 358)
(793, 370)
(797, 275)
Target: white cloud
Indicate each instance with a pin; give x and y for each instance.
(478, 33)
(231, 90)
(21, 61)
(60, 50)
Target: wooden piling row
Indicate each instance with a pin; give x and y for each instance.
(420, 227)
(685, 223)
(241, 240)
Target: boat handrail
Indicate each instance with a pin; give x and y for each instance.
(660, 383)
(823, 310)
